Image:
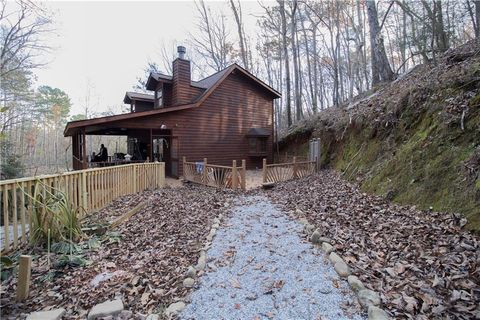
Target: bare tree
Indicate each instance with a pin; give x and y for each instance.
(381, 70)
(244, 52)
(213, 45)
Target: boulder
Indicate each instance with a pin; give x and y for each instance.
(315, 237)
(105, 309)
(309, 228)
(325, 239)
(188, 282)
(153, 317)
(298, 212)
(327, 247)
(303, 221)
(175, 308)
(367, 298)
(355, 283)
(342, 269)
(202, 261)
(191, 272)
(334, 257)
(55, 314)
(375, 313)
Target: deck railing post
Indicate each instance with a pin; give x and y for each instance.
(184, 159)
(264, 171)
(205, 176)
(295, 167)
(244, 169)
(162, 174)
(234, 175)
(84, 193)
(134, 175)
(24, 273)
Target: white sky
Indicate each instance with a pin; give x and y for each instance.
(102, 47)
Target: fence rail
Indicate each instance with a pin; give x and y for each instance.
(273, 173)
(89, 190)
(215, 175)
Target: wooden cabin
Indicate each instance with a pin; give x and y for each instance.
(223, 117)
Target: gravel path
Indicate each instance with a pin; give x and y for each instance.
(260, 268)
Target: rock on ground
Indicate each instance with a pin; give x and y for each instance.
(175, 308)
(375, 313)
(342, 269)
(367, 297)
(261, 267)
(105, 309)
(355, 283)
(47, 315)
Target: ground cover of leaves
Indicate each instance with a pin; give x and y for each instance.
(424, 264)
(143, 261)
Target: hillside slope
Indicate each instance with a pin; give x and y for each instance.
(415, 140)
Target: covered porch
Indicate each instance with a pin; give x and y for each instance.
(142, 145)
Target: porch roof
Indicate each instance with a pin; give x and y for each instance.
(108, 123)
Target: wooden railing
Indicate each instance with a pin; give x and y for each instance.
(88, 190)
(273, 173)
(215, 175)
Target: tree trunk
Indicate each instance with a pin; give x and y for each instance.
(381, 70)
(286, 59)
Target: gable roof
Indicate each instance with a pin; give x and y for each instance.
(130, 95)
(211, 83)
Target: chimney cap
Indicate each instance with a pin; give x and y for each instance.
(181, 52)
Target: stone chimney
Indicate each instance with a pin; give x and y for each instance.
(181, 91)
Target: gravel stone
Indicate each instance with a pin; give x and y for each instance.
(375, 313)
(355, 283)
(55, 314)
(367, 297)
(105, 309)
(342, 269)
(260, 266)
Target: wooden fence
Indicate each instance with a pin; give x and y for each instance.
(89, 190)
(273, 173)
(214, 175)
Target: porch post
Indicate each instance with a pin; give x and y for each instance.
(84, 149)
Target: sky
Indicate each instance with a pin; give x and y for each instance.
(100, 48)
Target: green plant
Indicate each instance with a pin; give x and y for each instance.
(70, 261)
(54, 217)
(6, 265)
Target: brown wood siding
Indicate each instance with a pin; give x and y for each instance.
(217, 129)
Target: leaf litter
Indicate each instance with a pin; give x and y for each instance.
(423, 263)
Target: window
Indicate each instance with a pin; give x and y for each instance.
(263, 144)
(159, 97)
(257, 145)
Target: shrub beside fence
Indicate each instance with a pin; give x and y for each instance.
(89, 190)
(277, 172)
(215, 175)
